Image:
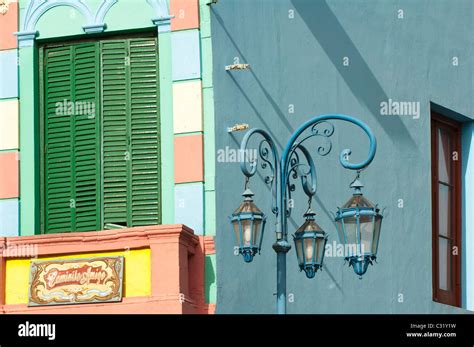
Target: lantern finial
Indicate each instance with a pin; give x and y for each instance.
(357, 184)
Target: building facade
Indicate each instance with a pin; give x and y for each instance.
(403, 67)
(120, 123)
(107, 149)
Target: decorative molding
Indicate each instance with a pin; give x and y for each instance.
(162, 17)
(26, 38)
(160, 7)
(3, 6)
(94, 28)
(103, 10)
(94, 22)
(104, 241)
(209, 246)
(163, 304)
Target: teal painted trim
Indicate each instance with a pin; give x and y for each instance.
(9, 150)
(210, 287)
(29, 149)
(209, 120)
(206, 61)
(9, 199)
(467, 250)
(205, 18)
(166, 121)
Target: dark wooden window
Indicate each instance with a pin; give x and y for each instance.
(446, 208)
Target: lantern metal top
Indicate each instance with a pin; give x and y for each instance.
(310, 224)
(247, 206)
(358, 201)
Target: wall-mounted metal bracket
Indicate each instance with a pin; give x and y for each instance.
(211, 2)
(237, 127)
(237, 67)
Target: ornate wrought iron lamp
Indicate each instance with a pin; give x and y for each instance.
(359, 221)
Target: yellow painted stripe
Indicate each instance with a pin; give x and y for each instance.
(137, 274)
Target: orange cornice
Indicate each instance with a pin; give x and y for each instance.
(107, 240)
(209, 246)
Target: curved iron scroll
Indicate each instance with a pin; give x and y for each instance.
(291, 167)
(249, 164)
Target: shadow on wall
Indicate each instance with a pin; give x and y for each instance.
(210, 278)
(272, 102)
(337, 44)
(267, 127)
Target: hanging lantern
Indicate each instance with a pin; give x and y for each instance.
(248, 224)
(358, 225)
(310, 244)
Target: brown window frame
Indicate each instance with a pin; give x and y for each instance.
(453, 129)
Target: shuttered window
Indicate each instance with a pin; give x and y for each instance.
(100, 135)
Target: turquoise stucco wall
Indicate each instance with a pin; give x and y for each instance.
(296, 51)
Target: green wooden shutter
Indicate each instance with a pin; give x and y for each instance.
(57, 213)
(71, 152)
(87, 137)
(130, 123)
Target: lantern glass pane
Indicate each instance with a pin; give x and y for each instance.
(319, 250)
(340, 231)
(366, 233)
(378, 225)
(246, 232)
(308, 250)
(235, 224)
(299, 250)
(350, 227)
(257, 223)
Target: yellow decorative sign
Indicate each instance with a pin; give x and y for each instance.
(76, 281)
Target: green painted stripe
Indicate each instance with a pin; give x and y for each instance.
(208, 117)
(29, 178)
(167, 131)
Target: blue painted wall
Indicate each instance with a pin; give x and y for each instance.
(186, 57)
(9, 218)
(299, 61)
(189, 208)
(8, 74)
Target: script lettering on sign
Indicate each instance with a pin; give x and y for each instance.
(76, 281)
